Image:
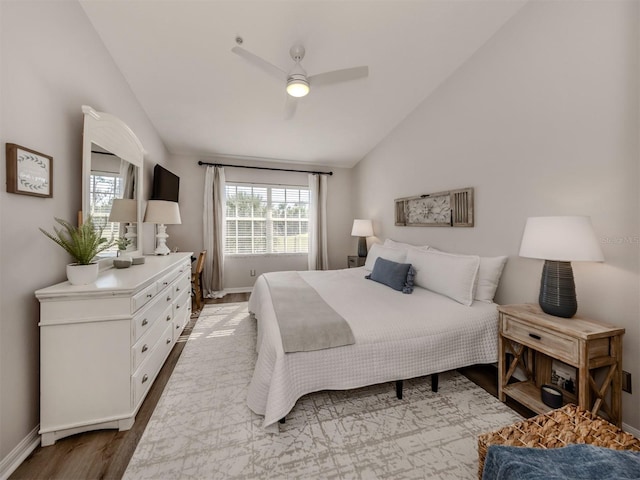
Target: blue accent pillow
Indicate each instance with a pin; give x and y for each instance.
(392, 274)
(408, 285)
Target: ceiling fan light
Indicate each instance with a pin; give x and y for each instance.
(297, 87)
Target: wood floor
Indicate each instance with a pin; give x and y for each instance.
(105, 454)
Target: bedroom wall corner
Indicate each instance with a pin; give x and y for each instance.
(542, 120)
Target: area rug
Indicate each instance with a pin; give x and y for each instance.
(203, 429)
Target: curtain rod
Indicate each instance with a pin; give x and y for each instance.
(200, 162)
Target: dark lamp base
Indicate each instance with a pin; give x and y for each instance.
(558, 289)
(362, 246)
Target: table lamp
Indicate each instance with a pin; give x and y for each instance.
(362, 229)
(162, 213)
(125, 210)
(559, 241)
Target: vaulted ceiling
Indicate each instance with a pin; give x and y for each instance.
(205, 100)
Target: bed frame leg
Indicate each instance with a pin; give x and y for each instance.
(434, 382)
(282, 420)
(399, 389)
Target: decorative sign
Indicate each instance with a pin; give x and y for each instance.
(29, 172)
(442, 209)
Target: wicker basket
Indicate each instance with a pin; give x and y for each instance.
(558, 428)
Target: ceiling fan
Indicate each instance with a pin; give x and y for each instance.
(298, 83)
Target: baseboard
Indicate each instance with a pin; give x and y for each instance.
(633, 431)
(11, 462)
(238, 290)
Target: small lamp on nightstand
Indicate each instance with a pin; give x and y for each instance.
(363, 229)
(559, 241)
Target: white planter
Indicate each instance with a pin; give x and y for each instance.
(82, 274)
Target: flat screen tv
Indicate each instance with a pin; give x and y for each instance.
(166, 185)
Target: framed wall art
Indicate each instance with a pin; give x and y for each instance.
(29, 172)
(443, 209)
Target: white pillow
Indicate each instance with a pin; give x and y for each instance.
(377, 250)
(445, 273)
(402, 246)
(489, 274)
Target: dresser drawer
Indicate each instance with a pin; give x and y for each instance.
(142, 349)
(551, 343)
(145, 319)
(181, 314)
(181, 304)
(140, 299)
(170, 277)
(183, 284)
(146, 374)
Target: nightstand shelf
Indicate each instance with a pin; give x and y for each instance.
(530, 340)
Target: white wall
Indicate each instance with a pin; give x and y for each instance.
(542, 120)
(52, 63)
(188, 235)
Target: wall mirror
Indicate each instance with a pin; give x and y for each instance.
(112, 162)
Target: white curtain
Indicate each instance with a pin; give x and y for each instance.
(213, 222)
(318, 258)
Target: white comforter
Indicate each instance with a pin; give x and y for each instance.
(398, 336)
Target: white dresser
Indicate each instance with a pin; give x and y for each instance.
(102, 345)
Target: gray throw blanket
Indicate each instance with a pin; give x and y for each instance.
(584, 462)
(306, 321)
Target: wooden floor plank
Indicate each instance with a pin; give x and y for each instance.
(105, 454)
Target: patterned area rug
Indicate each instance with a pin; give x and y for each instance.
(202, 428)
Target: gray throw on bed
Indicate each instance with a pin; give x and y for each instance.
(305, 320)
(584, 462)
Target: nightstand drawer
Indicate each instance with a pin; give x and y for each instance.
(355, 261)
(550, 343)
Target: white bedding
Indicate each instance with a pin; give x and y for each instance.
(398, 336)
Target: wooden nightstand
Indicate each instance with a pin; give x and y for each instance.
(355, 261)
(534, 339)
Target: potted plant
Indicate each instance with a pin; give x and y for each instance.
(83, 243)
(122, 243)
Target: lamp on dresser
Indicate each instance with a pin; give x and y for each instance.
(559, 241)
(162, 213)
(362, 229)
(125, 210)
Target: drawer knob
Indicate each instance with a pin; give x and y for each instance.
(144, 348)
(177, 289)
(149, 295)
(145, 322)
(177, 306)
(177, 327)
(537, 337)
(165, 283)
(168, 299)
(168, 341)
(168, 317)
(145, 378)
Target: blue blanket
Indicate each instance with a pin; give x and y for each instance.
(584, 462)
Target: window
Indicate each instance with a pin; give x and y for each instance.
(103, 189)
(266, 219)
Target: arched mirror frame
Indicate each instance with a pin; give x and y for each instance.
(112, 134)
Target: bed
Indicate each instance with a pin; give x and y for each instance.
(397, 336)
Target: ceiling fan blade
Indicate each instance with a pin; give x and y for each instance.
(290, 107)
(337, 76)
(261, 63)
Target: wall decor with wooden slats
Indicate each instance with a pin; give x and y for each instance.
(443, 209)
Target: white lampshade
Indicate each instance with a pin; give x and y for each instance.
(362, 228)
(124, 210)
(162, 211)
(563, 239)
